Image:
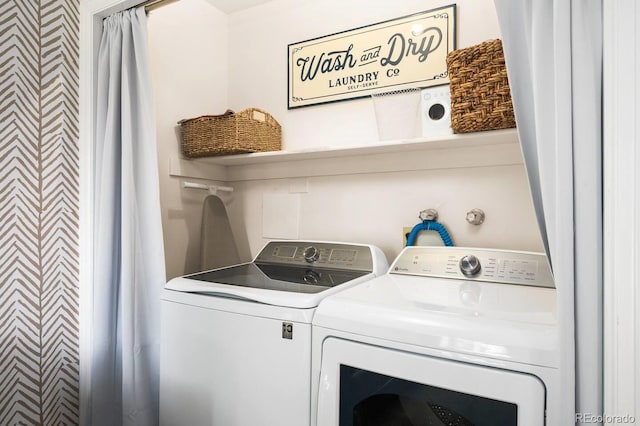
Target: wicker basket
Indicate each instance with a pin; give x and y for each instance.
(480, 95)
(249, 130)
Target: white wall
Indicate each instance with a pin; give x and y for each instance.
(621, 177)
(258, 57)
(366, 208)
(189, 48)
(373, 208)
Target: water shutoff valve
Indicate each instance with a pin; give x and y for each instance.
(475, 216)
(428, 214)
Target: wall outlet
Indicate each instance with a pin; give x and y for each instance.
(405, 233)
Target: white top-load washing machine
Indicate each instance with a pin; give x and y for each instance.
(236, 341)
(450, 336)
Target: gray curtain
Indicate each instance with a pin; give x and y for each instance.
(129, 270)
(553, 51)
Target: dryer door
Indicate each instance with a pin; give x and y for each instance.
(363, 385)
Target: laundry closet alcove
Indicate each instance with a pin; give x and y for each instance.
(340, 180)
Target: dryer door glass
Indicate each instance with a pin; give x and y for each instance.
(370, 385)
(368, 398)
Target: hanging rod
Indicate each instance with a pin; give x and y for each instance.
(150, 5)
(213, 189)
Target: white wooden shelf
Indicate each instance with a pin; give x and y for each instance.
(491, 148)
(448, 141)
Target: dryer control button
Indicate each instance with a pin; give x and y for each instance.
(311, 254)
(469, 265)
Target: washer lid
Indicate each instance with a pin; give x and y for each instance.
(278, 277)
(262, 284)
(289, 273)
(506, 322)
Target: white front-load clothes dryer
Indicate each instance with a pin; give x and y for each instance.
(236, 341)
(450, 336)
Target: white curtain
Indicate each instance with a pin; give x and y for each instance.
(553, 51)
(129, 270)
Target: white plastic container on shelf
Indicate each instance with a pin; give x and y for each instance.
(398, 114)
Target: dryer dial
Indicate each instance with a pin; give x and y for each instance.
(470, 265)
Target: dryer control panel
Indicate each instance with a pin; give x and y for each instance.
(352, 257)
(490, 265)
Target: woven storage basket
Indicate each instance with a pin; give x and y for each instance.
(249, 130)
(480, 95)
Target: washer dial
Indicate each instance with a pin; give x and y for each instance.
(311, 254)
(311, 277)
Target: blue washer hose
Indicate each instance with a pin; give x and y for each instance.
(429, 225)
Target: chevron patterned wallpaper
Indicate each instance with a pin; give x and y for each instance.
(39, 331)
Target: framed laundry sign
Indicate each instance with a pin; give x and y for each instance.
(393, 55)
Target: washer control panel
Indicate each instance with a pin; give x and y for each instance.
(501, 266)
(317, 254)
